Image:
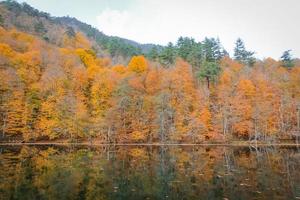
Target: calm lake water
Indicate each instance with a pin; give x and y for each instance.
(149, 172)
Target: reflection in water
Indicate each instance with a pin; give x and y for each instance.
(166, 172)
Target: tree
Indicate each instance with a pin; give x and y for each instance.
(40, 28)
(243, 103)
(1, 20)
(70, 32)
(242, 55)
(165, 116)
(178, 105)
(15, 113)
(32, 111)
(168, 55)
(209, 71)
(5, 94)
(287, 59)
(265, 108)
(120, 69)
(153, 54)
(138, 64)
(196, 56)
(101, 93)
(212, 50)
(185, 46)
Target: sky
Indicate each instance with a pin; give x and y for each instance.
(267, 27)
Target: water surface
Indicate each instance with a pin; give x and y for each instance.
(149, 172)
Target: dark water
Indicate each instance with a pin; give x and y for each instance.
(172, 172)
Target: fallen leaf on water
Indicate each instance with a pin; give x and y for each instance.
(244, 184)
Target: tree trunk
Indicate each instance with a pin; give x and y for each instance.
(108, 134)
(3, 128)
(298, 124)
(224, 124)
(208, 83)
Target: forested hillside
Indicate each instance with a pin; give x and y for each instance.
(61, 79)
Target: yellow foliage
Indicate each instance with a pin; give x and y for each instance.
(120, 69)
(79, 41)
(92, 71)
(28, 66)
(66, 51)
(6, 51)
(82, 41)
(88, 58)
(137, 153)
(246, 87)
(138, 64)
(15, 114)
(101, 92)
(137, 136)
(22, 37)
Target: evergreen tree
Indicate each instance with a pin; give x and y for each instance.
(40, 28)
(209, 71)
(242, 55)
(213, 50)
(70, 32)
(1, 20)
(195, 56)
(168, 55)
(153, 54)
(185, 45)
(287, 59)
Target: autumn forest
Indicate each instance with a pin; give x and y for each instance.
(63, 80)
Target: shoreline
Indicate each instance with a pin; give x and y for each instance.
(147, 144)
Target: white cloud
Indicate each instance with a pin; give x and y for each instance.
(114, 22)
(125, 24)
(268, 27)
(149, 21)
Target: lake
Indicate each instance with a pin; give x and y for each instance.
(149, 172)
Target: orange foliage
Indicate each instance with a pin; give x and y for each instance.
(206, 119)
(66, 91)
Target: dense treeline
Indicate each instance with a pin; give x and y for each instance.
(187, 92)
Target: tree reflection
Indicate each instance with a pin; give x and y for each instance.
(162, 172)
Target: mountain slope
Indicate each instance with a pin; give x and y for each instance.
(30, 20)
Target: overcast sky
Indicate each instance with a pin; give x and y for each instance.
(267, 27)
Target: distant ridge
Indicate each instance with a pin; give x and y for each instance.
(19, 15)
